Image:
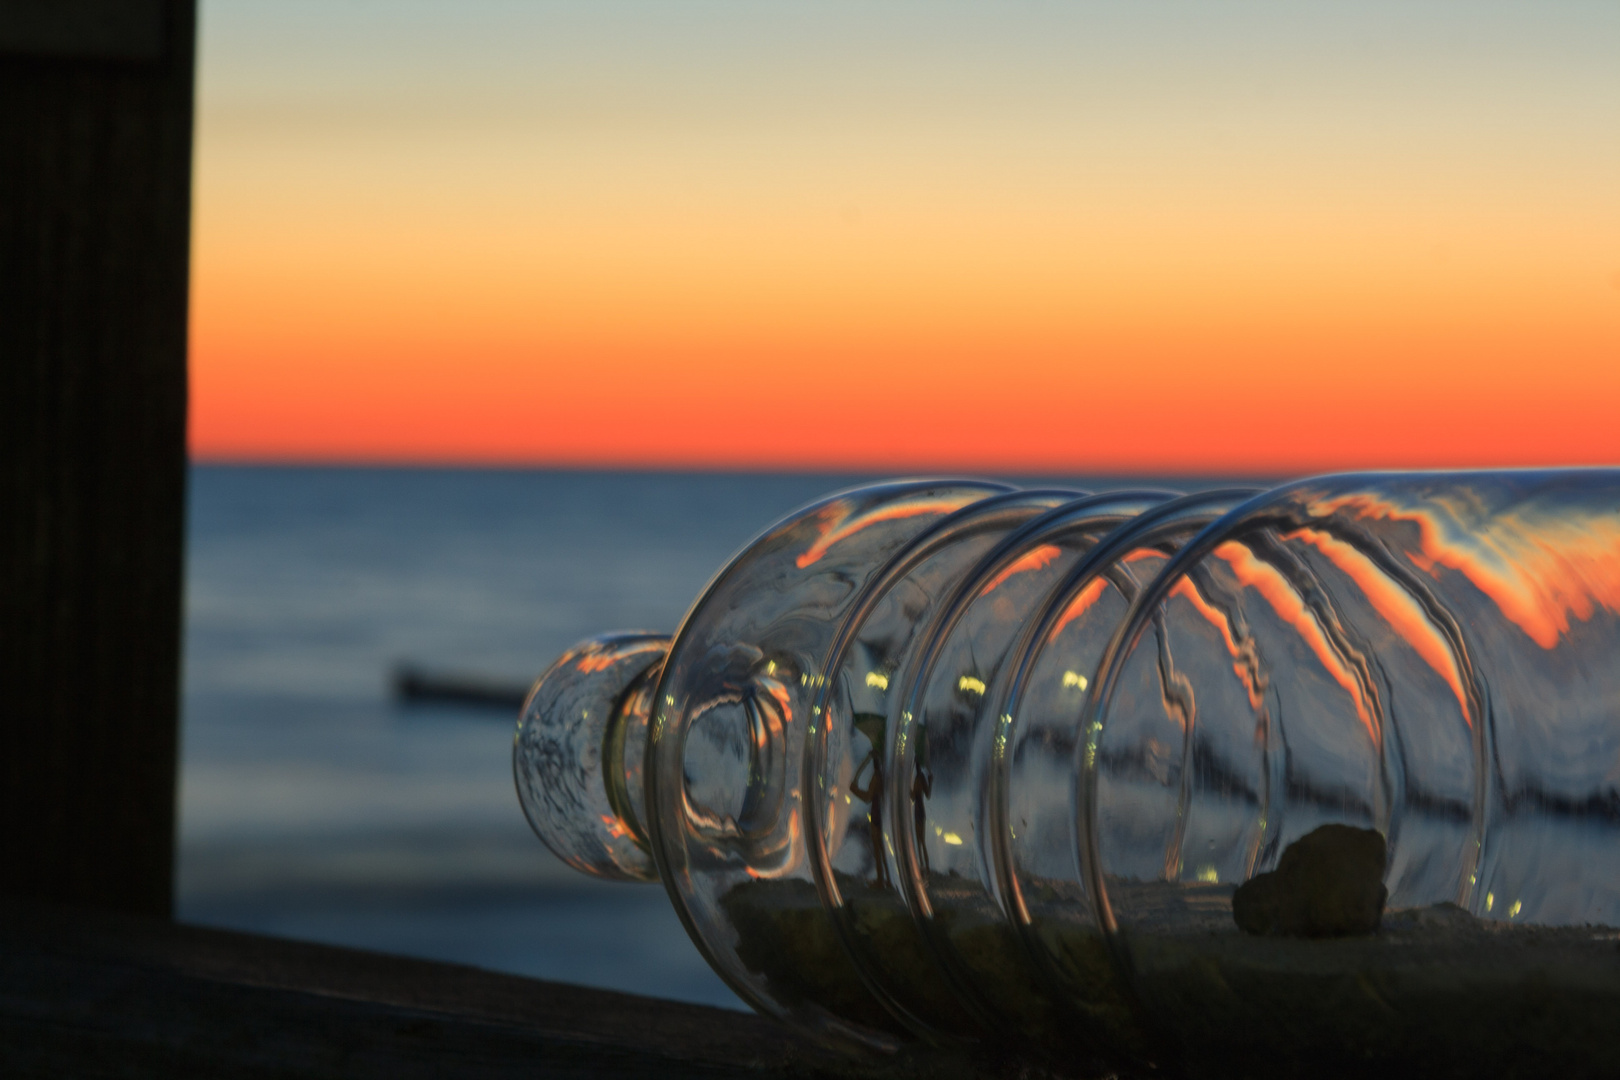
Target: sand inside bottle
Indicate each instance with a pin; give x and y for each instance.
(786, 936)
(1434, 992)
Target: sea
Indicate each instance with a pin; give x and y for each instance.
(316, 805)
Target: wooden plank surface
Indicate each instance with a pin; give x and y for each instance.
(95, 165)
(93, 993)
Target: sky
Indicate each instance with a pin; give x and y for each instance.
(1021, 236)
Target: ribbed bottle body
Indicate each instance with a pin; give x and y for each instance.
(949, 760)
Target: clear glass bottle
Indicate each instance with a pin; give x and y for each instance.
(950, 760)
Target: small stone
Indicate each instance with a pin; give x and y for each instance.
(1328, 883)
(1444, 917)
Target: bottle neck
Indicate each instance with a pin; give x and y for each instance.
(577, 755)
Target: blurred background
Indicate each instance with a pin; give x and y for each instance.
(512, 321)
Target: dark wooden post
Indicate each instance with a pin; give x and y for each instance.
(95, 192)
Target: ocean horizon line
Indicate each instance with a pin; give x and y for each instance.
(833, 472)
